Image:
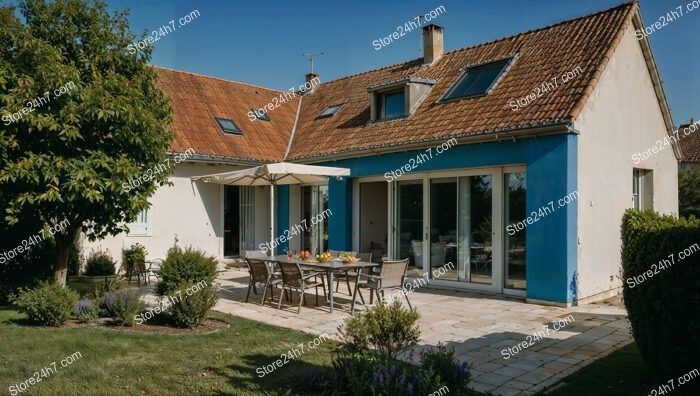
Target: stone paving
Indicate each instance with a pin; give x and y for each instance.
(478, 326)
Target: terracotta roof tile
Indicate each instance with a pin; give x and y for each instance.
(197, 99)
(587, 42)
(689, 142)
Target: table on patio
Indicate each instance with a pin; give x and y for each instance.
(329, 268)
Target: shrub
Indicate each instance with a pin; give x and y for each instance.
(100, 263)
(122, 306)
(86, 310)
(191, 304)
(48, 304)
(185, 266)
(441, 365)
(387, 328)
(664, 308)
(130, 255)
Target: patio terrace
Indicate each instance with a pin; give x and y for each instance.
(478, 326)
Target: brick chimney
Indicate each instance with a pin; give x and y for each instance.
(432, 43)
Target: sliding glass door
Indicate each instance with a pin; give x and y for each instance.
(452, 225)
(314, 202)
(409, 224)
(514, 244)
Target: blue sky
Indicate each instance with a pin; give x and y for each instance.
(261, 42)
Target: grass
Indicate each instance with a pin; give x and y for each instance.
(621, 373)
(83, 287)
(116, 362)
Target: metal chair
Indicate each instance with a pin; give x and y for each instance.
(153, 267)
(391, 277)
(139, 270)
(260, 273)
(293, 278)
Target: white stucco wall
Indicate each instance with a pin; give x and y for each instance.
(191, 211)
(622, 117)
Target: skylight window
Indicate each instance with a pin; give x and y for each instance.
(477, 80)
(329, 112)
(228, 126)
(260, 114)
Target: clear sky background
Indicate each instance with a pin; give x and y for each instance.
(261, 42)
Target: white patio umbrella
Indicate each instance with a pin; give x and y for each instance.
(272, 175)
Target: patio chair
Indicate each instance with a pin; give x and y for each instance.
(390, 277)
(293, 278)
(153, 267)
(139, 270)
(336, 253)
(260, 273)
(350, 274)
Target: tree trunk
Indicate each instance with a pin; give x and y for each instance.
(64, 243)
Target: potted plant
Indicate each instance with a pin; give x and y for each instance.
(136, 252)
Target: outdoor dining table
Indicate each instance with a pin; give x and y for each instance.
(329, 268)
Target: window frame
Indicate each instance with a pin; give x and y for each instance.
(508, 63)
(228, 131)
(145, 217)
(380, 99)
(331, 114)
(256, 113)
(642, 189)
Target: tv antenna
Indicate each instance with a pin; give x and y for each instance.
(420, 35)
(311, 56)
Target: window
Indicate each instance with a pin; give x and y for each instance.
(260, 114)
(228, 126)
(642, 189)
(391, 104)
(476, 80)
(140, 226)
(329, 112)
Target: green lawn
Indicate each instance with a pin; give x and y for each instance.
(118, 362)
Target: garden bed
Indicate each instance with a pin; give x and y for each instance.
(152, 326)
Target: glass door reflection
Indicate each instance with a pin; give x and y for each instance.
(409, 225)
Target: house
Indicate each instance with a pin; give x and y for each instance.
(507, 165)
(689, 142)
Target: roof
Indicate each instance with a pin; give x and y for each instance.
(689, 141)
(584, 44)
(197, 99)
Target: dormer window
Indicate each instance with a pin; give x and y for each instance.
(399, 98)
(228, 126)
(477, 80)
(391, 104)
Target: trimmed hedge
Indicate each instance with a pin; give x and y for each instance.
(185, 266)
(662, 296)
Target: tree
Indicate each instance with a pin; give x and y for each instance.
(689, 191)
(81, 116)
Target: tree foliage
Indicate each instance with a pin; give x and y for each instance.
(68, 157)
(689, 191)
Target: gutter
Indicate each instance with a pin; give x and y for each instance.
(563, 127)
(294, 128)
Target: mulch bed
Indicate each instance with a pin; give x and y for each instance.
(151, 326)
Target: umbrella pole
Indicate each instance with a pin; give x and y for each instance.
(272, 218)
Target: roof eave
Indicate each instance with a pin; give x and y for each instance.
(557, 128)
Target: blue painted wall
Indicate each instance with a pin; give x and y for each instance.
(551, 174)
(282, 218)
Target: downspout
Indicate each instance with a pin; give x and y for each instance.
(294, 128)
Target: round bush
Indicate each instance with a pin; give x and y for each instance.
(122, 306)
(191, 304)
(185, 266)
(86, 310)
(48, 304)
(100, 263)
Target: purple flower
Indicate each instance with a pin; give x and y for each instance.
(82, 307)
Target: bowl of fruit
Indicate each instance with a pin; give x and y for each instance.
(324, 257)
(304, 254)
(347, 258)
